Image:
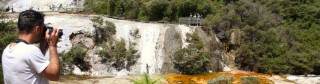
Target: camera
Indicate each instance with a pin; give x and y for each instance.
(60, 31)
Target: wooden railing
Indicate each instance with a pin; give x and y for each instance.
(194, 21)
(72, 10)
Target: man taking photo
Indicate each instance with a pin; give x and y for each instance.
(23, 63)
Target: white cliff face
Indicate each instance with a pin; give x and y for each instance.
(146, 44)
(43, 5)
(183, 29)
(150, 42)
(69, 24)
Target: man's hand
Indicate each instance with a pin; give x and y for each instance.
(52, 71)
(53, 38)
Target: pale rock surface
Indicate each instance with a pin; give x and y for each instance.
(43, 5)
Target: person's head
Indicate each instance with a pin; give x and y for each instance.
(31, 23)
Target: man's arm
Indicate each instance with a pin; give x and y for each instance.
(43, 46)
(52, 71)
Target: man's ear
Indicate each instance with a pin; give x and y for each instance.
(37, 28)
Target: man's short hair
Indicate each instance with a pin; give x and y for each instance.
(28, 20)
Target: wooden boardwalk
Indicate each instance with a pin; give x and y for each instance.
(72, 10)
(191, 21)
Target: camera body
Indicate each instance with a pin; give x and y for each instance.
(60, 31)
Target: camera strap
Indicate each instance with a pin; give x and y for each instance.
(21, 40)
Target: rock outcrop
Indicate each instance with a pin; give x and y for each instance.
(42, 5)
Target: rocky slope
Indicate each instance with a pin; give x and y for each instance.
(41, 5)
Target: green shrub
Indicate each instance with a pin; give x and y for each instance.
(8, 34)
(193, 59)
(145, 79)
(152, 10)
(97, 21)
(76, 51)
(250, 80)
(221, 80)
(76, 56)
(116, 54)
(110, 24)
(284, 45)
(104, 29)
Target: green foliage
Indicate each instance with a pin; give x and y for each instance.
(278, 36)
(249, 80)
(303, 12)
(97, 21)
(192, 60)
(8, 33)
(76, 52)
(76, 56)
(286, 49)
(221, 80)
(110, 24)
(117, 55)
(104, 29)
(145, 79)
(152, 10)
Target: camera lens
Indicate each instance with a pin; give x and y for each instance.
(60, 31)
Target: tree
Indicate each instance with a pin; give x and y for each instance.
(193, 59)
(115, 54)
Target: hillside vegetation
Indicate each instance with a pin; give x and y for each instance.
(277, 36)
(151, 10)
(8, 34)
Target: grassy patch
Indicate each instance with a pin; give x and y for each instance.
(250, 80)
(145, 79)
(222, 80)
